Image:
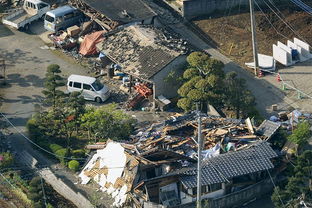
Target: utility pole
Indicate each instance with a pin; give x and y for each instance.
(253, 34)
(199, 162)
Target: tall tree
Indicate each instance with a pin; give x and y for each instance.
(237, 97)
(299, 187)
(76, 104)
(53, 80)
(301, 134)
(203, 82)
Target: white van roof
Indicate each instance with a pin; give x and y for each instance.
(82, 79)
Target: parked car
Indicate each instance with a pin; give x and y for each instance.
(62, 18)
(91, 88)
(31, 11)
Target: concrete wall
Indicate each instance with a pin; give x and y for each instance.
(164, 88)
(194, 8)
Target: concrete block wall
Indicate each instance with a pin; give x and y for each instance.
(195, 8)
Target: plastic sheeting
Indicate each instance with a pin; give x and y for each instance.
(88, 46)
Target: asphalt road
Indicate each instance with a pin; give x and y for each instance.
(21, 96)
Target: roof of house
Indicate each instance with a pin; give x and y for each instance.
(268, 128)
(141, 50)
(125, 11)
(226, 166)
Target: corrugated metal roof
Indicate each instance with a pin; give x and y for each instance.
(226, 166)
(268, 128)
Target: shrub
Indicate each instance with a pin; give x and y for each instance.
(34, 131)
(6, 159)
(73, 165)
(55, 147)
(79, 153)
(34, 196)
(61, 153)
(38, 204)
(35, 181)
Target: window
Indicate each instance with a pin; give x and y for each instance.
(215, 187)
(70, 84)
(41, 5)
(97, 85)
(204, 189)
(194, 191)
(49, 18)
(77, 85)
(87, 87)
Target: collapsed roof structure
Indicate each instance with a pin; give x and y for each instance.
(142, 50)
(159, 163)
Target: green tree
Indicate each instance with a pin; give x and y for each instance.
(299, 186)
(203, 82)
(107, 122)
(52, 81)
(6, 159)
(73, 165)
(301, 134)
(76, 104)
(237, 97)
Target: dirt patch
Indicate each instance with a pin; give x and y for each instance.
(232, 34)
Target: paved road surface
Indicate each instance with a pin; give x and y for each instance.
(26, 67)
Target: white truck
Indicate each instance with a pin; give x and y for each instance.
(21, 18)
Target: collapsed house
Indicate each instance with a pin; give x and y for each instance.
(148, 54)
(158, 165)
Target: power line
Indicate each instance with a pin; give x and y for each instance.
(288, 23)
(295, 32)
(47, 151)
(275, 188)
(270, 21)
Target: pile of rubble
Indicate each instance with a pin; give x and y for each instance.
(166, 147)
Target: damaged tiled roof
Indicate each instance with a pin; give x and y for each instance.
(122, 10)
(226, 166)
(268, 128)
(142, 50)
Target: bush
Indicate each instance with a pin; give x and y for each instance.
(73, 165)
(6, 159)
(34, 131)
(35, 181)
(79, 153)
(34, 196)
(61, 153)
(55, 147)
(38, 204)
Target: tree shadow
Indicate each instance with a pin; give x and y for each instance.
(19, 56)
(27, 81)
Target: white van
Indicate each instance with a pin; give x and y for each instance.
(91, 88)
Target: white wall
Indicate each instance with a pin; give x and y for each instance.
(288, 51)
(187, 199)
(280, 55)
